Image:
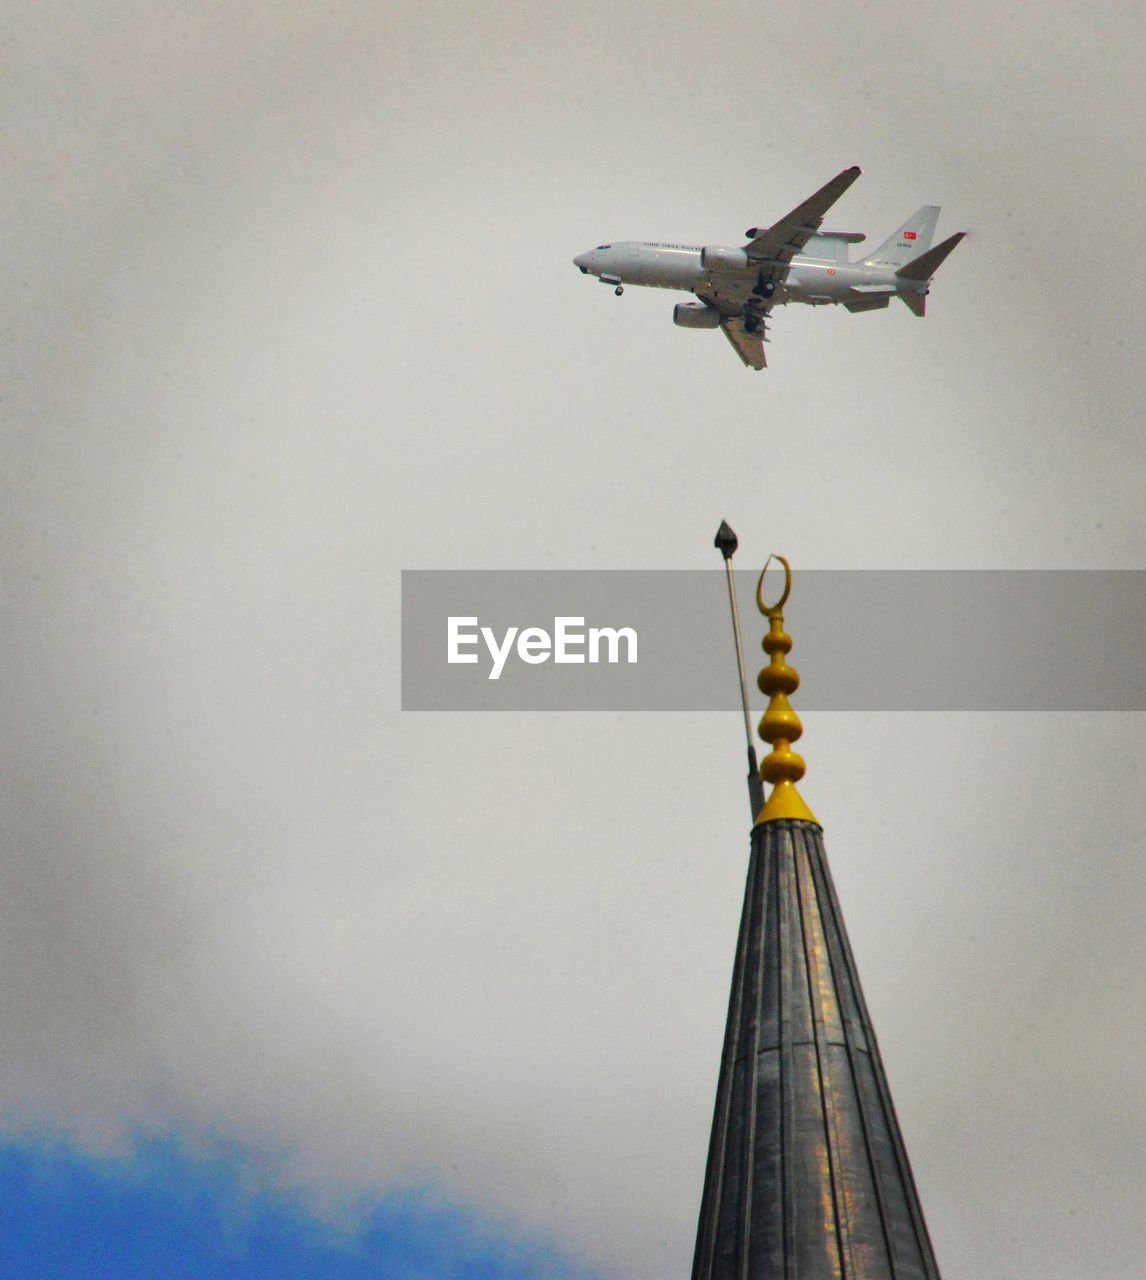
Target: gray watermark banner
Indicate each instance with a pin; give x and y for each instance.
(865, 640)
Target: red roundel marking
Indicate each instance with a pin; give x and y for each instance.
(831, 271)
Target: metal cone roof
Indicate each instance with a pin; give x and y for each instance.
(808, 1176)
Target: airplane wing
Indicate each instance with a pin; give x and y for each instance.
(731, 297)
(748, 346)
(774, 247)
(737, 294)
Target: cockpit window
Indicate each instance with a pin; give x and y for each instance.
(604, 246)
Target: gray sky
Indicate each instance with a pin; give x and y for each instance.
(291, 308)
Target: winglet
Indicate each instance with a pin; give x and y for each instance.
(925, 266)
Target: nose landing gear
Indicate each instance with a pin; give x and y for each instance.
(619, 290)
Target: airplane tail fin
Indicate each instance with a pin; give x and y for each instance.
(921, 269)
(916, 303)
(913, 238)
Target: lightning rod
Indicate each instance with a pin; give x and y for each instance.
(726, 543)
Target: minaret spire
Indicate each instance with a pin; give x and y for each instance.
(807, 1176)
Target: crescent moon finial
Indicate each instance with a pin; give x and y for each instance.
(766, 609)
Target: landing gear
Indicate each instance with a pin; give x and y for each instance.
(764, 288)
(619, 290)
(755, 313)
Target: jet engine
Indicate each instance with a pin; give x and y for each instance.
(695, 315)
(714, 257)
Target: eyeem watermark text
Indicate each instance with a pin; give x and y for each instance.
(569, 642)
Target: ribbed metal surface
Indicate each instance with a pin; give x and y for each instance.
(808, 1177)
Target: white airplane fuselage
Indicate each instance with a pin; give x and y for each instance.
(812, 280)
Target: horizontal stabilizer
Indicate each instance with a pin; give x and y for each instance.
(926, 265)
(916, 303)
(870, 302)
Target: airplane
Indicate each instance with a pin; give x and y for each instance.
(790, 261)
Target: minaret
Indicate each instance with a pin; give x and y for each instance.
(808, 1176)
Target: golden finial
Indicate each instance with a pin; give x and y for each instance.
(780, 726)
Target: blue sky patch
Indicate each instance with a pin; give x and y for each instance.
(164, 1216)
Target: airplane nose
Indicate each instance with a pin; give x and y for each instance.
(582, 261)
